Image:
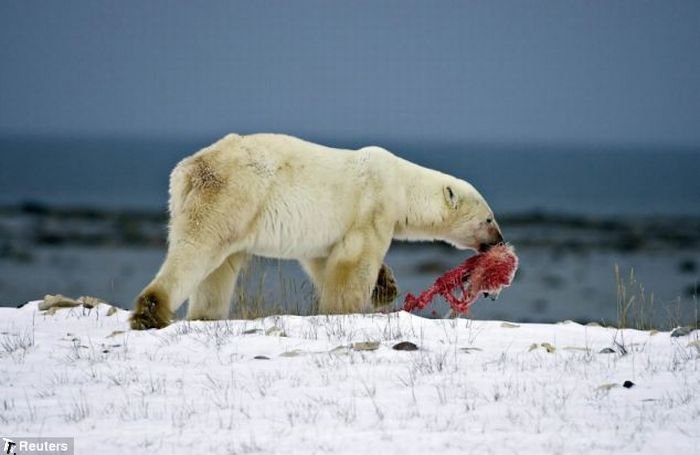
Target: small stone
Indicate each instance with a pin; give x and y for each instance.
(548, 347)
(295, 353)
(628, 384)
(681, 331)
(275, 332)
(469, 349)
(261, 357)
(366, 345)
(606, 351)
(405, 346)
(532, 347)
(89, 302)
(251, 331)
(509, 325)
(112, 311)
(57, 301)
(607, 387)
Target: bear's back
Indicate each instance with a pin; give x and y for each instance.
(305, 189)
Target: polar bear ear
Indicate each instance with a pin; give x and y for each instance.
(450, 197)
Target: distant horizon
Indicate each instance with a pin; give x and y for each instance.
(357, 141)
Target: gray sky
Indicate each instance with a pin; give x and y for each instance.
(607, 72)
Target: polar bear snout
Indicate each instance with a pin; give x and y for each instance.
(495, 238)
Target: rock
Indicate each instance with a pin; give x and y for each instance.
(53, 302)
(628, 384)
(275, 331)
(89, 301)
(261, 357)
(405, 346)
(607, 387)
(470, 349)
(509, 325)
(252, 331)
(112, 311)
(548, 347)
(295, 353)
(606, 351)
(57, 301)
(365, 346)
(681, 331)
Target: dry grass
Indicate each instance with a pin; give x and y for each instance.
(253, 300)
(637, 308)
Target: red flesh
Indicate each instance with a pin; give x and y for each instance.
(487, 272)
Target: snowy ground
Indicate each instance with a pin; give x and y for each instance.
(315, 387)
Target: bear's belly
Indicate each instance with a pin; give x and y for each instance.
(297, 251)
(296, 234)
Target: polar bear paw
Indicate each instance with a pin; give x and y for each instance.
(151, 311)
(386, 289)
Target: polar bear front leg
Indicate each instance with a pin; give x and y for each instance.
(351, 273)
(385, 289)
(212, 298)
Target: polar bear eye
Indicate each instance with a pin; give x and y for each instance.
(488, 220)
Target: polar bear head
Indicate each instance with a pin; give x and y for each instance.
(468, 221)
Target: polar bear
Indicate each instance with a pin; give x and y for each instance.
(335, 211)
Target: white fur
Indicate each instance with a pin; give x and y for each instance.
(336, 211)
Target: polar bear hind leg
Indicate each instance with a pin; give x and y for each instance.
(186, 266)
(212, 298)
(199, 241)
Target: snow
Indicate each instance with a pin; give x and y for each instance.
(471, 387)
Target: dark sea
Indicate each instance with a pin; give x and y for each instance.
(133, 173)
